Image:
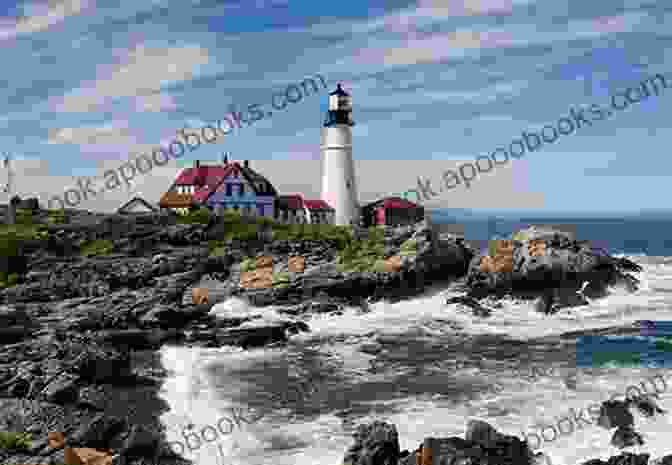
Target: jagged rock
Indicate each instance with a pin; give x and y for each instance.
(102, 364)
(140, 442)
(477, 308)
(615, 414)
(97, 433)
(626, 436)
(62, 390)
(259, 336)
(375, 444)
(136, 338)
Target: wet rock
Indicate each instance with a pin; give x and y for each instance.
(626, 436)
(136, 338)
(615, 414)
(375, 444)
(62, 390)
(98, 433)
(478, 309)
(140, 442)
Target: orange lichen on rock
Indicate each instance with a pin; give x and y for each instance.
(86, 456)
(55, 440)
(199, 296)
(392, 264)
(264, 261)
(257, 279)
(501, 258)
(536, 247)
(296, 264)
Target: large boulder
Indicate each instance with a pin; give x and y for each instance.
(536, 260)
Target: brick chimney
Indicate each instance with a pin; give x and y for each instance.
(246, 163)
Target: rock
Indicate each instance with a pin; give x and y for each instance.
(259, 336)
(94, 397)
(375, 444)
(140, 443)
(62, 390)
(136, 338)
(647, 405)
(98, 433)
(167, 316)
(481, 433)
(99, 364)
(478, 309)
(626, 436)
(615, 414)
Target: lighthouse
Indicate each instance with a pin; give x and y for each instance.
(339, 188)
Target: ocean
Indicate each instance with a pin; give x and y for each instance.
(436, 365)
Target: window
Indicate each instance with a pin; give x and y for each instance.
(228, 190)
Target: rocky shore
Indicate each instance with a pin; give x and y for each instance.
(79, 332)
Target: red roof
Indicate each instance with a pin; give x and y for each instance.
(292, 202)
(208, 176)
(392, 202)
(317, 205)
(398, 203)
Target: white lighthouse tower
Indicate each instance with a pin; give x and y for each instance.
(339, 188)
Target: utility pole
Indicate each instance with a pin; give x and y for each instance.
(10, 217)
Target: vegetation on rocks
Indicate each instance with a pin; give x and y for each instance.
(362, 255)
(281, 279)
(248, 264)
(97, 247)
(14, 441)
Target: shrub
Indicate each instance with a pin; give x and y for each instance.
(280, 279)
(14, 441)
(56, 216)
(410, 247)
(8, 280)
(199, 216)
(248, 264)
(96, 247)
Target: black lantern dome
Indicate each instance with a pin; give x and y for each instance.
(340, 108)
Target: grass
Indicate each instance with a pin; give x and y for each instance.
(96, 247)
(248, 264)
(281, 279)
(14, 441)
(409, 248)
(362, 256)
(8, 279)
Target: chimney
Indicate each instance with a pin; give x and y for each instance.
(246, 163)
(225, 159)
(197, 163)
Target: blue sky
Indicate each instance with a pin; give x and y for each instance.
(434, 83)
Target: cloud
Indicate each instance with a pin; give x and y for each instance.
(155, 102)
(144, 72)
(42, 16)
(448, 8)
(113, 141)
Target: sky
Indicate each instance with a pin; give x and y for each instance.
(435, 83)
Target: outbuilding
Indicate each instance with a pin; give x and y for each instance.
(392, 211)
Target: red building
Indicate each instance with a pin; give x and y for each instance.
(392, 211)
